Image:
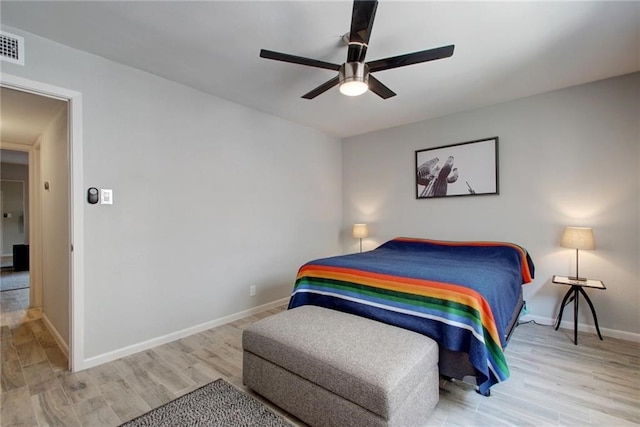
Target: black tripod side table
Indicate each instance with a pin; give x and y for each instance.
(577, 287)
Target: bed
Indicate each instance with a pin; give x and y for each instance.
(467, 296)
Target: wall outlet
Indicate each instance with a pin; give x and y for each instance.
(252, 291)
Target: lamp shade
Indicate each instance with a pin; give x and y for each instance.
(578, 238)
(360, 231)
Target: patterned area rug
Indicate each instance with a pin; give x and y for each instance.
(12, 280)
(216, 404)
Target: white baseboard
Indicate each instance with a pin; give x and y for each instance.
(146, 345)
(64, 347)
(568, 324)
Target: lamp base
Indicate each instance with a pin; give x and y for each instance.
(579, 279)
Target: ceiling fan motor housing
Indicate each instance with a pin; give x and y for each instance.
(353, 78)
(354, 72)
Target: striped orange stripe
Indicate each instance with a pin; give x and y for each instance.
(427, 288)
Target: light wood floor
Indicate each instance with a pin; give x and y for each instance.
(12, 302)
(553, 382)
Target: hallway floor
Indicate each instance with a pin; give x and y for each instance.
(14, 304)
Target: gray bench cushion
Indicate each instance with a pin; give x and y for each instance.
(366, 362)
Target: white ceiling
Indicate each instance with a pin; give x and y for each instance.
(25, 116)
(504, 50)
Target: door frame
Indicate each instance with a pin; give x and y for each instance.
(76, 206)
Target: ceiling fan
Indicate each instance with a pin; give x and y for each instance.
(354, 76)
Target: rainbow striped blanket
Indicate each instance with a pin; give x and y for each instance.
(461, 294)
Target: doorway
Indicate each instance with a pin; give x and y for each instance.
(13, 209)
(14, 234)
(32, 125)
(56, 183)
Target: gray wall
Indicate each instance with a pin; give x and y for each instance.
(210, 197)
(568, 157)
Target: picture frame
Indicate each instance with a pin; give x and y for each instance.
(464, 169)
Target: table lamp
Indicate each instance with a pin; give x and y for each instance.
(577, 238)
(360, 231)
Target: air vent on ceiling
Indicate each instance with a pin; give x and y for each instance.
(11, 48)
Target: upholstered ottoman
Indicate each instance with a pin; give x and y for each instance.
(331, 368)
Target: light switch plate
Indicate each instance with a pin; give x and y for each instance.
(106, 196)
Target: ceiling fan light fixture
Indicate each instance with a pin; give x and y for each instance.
(353, 88)
(354, 78)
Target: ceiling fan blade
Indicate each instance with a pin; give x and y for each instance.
(321, 89)
(410, 58)
(364, 12)
(379, 89)
(269, 54)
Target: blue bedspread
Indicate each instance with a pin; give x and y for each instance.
(461, 294)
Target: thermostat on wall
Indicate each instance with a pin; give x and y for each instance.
(92, 195)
